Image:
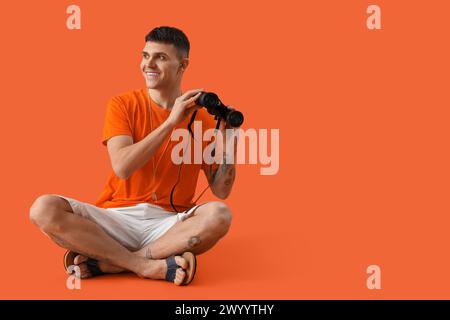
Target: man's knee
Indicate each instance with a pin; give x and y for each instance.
(46, 212)
(218, 218)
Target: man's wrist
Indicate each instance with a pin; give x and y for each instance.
(168, 125)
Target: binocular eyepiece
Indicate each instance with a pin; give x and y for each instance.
(215, 107)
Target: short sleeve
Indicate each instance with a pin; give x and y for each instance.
(116, 121)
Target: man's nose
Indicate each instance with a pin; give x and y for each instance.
(151, 62)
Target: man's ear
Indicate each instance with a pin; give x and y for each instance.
(184, 64)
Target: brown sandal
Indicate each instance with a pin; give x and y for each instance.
(92, 264)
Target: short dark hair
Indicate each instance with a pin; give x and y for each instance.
(170, 35)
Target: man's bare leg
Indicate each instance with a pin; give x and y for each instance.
(196, 234)
(54, 216)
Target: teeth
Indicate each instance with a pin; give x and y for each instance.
(151, 73)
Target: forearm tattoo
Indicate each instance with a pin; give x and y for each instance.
(226, 169)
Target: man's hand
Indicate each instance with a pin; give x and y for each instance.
(183, 106)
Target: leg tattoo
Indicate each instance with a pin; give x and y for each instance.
(194, 241)
(148, 254)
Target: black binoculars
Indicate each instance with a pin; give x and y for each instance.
(215, 107)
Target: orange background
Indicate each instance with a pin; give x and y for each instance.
(364, 158)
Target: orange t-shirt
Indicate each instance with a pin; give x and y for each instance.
(129, 114)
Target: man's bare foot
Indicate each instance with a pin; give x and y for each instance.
(157, 269)
(152, 269)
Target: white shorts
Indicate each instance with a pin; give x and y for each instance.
(135, 226)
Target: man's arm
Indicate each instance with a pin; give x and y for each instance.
(127, 157)
(221, 177)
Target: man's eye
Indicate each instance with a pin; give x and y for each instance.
(162, 57)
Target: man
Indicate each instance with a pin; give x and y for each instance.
(133, 226)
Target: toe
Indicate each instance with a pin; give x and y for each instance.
(79, 259)
(179, 277)
(181, 262)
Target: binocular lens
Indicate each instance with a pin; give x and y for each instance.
(215, 107)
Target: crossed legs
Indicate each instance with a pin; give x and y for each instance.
(54, 216)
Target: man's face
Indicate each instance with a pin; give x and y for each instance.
(161, 65)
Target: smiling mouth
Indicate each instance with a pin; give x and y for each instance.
(151, 74)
